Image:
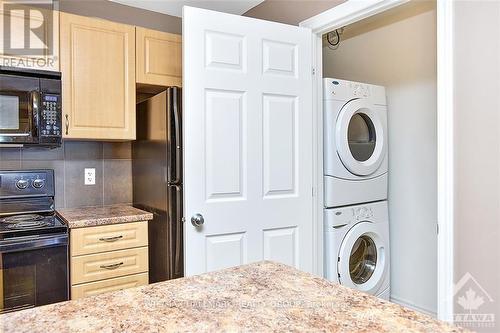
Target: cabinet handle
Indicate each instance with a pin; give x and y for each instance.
(112, 266)
(67, 124)
(110, 239)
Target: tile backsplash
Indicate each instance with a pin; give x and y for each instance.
(112, 163)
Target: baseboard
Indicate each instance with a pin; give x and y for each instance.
(409, 305)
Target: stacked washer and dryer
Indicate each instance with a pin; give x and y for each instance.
(356, 221)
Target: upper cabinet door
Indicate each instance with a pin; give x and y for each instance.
(159, 58)
(247, 142)
(98, 75)
(41, 49)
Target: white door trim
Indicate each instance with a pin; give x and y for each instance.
(445, 176)
(355, 10)
(346, 13)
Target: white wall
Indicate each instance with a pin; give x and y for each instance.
(477, 152)
(397, 49)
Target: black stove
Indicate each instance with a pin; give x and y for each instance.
(27, 204)
(33, 241)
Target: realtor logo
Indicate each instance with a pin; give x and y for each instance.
(474, 305)
(27, 28)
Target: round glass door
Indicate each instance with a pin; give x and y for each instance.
(361, 137)
(363, 260)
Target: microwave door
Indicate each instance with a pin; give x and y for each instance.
(18, 116)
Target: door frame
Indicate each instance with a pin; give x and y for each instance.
(353, 11)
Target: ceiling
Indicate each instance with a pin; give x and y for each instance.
(174, 7)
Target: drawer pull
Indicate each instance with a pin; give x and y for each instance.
(110, 239)
(112, 266)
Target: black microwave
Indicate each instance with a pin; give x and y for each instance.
(30, 107)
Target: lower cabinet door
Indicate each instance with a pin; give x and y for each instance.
(101, 266)
(100, 287)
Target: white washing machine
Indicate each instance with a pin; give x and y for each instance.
(355, 142)
(357, 253)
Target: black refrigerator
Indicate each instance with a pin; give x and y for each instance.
(157, 180)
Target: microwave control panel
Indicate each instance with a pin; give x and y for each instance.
(50, 122)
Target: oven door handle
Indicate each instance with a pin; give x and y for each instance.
(31, 243)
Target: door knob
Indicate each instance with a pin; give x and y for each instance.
(197, 220)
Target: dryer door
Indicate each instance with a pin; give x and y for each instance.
(360, 137)
(362, 260)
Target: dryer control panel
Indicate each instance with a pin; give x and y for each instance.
(335, 89)
(359, 89)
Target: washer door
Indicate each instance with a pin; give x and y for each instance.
(360, 138)
(362, 261)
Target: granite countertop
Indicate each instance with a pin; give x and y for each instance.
(259, 297)
(93, 216)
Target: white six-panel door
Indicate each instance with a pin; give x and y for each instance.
(247, 140)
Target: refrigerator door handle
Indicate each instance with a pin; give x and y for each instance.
(179, 263)
(176, 146)
(177, 233)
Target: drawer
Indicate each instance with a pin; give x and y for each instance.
(94, 267)
(100, 287)
(108, 238)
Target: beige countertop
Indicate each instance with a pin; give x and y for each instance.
(259, 297)
(93, 216)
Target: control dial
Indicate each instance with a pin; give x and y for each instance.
(22, 184)
(38, 183)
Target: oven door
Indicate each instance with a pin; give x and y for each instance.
(19, 103)
(33, 272)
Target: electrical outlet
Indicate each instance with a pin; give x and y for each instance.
(89, 175)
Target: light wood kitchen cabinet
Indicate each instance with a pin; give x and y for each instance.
(159, 58)
(108, 238)
(100, 266)
(42, 50)
(100, 287)
(109, 257)
(98, 76)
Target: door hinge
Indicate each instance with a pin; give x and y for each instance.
(312, 191)
(437, 228)
(313, 71)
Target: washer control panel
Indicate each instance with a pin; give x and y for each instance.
(335, 218)
(362, 213)
(339, 217)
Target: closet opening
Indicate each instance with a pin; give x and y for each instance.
(380, 148)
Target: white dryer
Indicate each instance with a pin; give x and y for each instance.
(355, 142)
(357, 252)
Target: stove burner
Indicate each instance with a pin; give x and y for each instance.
(27, 224)
(22, 218)
(25, 221)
